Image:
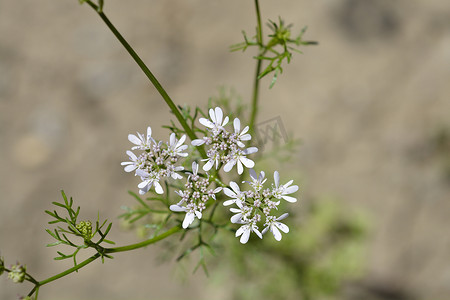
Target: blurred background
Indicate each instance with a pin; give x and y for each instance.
(370, 104)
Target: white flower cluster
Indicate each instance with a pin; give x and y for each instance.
(194, 196)
(159, 160)
(156, 161)
(257, 203)
(225, 147)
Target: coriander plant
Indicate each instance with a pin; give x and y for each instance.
(202, 181)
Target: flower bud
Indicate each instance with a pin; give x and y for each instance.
(85, 228)
(17, 273)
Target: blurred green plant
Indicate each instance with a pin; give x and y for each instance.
(325, 250)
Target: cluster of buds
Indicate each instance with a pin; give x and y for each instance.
(156, 161)
(225, 147)
(258, 203)
(17, 273)
(194, 196)
(85, 228)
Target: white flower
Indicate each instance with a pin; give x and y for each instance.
(241, 214)
(241, 135)
(239, 158)
(149, 180)
(276, 226)
(257, 181)
(142, 142)
(236, 194)
(191, 213)
(176, 147)
(133, 164)
(245, 231)
(215, 157)
(280, 191)
(217, 122)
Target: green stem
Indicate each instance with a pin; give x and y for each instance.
(255, 96)
(145, 243)
(108, 250)
(71, 270)
(149, 75)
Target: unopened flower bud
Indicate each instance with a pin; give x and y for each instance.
(17, 273)
(85, 228)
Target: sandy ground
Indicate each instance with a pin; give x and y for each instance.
(371, 104)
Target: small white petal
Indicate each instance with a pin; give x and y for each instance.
(235, 187)
(289, 199)
(198, 214)
(282, 227)
(131, 155)
(236, 218)
(276, 233)
(257, 233)
(251, 150)
(142, 173)
(158, 188)
(197, 142)
(276, 177)
(240, 169)
(253, 174)
(218, 189)
(291, 189)
(134, 139)
(228, 202)
(143, 184)
(208, 165)
(172, 139)
(219, 116)
(240, 230)
(206, 122)
(237, 125)
(247, 162)
(181, 141)
(245, 236)
(177, 208)
(188, 219)
(282, 217)
(225, 122)
(229, 165)
(229, 193)
(265, 230)
(130, 168)
(212, 115)
(149, 132)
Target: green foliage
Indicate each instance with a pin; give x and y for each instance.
(277, 50)
(83, 230)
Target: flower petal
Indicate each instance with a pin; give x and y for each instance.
(245, 236)
(276, 233)
(208, 165)
(247, 162)
(237, 125)
(282, 227)
(134, 139)
(276, 177)
(289, 199)
(197, 142)
(188, 219)
(158, 188)
(229, 165)
(177, 208)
